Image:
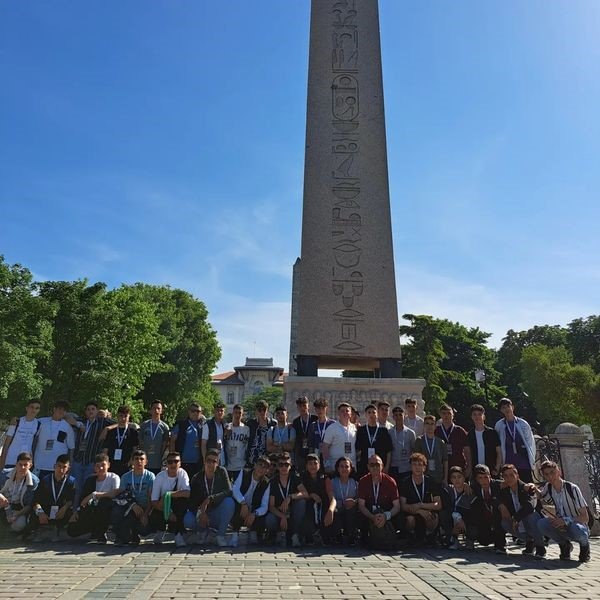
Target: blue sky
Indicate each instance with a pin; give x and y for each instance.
(163, 142)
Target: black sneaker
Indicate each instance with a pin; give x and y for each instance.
(584, 553)
(565, 551)
(540, 552)
(529, 548)
(101, 539)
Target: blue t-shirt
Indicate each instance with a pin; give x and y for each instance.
(191, 445)
(141, 485)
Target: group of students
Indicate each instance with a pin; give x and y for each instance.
(312, 481)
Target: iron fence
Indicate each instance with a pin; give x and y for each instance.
(592, 460)
(547, 449)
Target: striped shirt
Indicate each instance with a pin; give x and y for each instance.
(567, 504)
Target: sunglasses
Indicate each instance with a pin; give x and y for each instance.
(173, 461)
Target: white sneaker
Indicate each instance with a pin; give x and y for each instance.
(222, 541)
(296, 541)
(253, 537)
(180, 541)
(234, 539)
(158, 538)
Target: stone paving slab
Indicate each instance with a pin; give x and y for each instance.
(71, 571)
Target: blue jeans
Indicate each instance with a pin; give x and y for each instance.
(219, 517)
(531, 530)
(297, 510)
(575, 532)
(81, 472)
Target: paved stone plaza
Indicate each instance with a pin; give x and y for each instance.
(77, 570)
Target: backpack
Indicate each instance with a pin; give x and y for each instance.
(569, 487)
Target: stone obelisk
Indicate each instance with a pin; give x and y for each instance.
(344, 310)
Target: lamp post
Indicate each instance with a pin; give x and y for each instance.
(480, 377)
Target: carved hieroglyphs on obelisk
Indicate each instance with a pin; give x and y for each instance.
(344, 310)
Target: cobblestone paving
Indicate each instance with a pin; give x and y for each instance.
(77, 570)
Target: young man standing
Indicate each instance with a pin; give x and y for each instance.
(435, 450)
(383, 412)
(236, 442)
(484, 444)
(518, 511)
(454, 436)
(19, 438)
(259, 427)
(55, 437)
(411, 418)
(516, 440)
(86, 445)
(132, 520)
(372, 439)
(121, 441)
(154, 437)
(339, 439)
(170, 494)
(319, 426)
(570, 521)
(302, 427)
(53, 500)
(213, 433)
(403, 444)
(281, 437)
(185, 439)
(16, 495)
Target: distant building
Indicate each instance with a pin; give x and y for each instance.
(253, 377)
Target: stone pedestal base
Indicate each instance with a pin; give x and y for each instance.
(358, 392)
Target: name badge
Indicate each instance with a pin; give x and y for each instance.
(305, 443)
(370, 452)
(118, 454)
(53, 512)
(514, 448)
(374, 508)
(449, 446)
(219, 444)
(347, 447)
(404, 452)
(49, 444)
(431, 465)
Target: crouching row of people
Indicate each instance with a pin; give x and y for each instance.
(273, 500)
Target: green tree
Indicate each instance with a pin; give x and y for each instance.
(105, 345)
(583, 339)
(508, 361)
(273, 396)
(447, 354)
(25, 338)
(190, 353)
(560, 390)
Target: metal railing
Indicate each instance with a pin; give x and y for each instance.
(591, 449)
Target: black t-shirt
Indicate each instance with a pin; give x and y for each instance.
(124, 440)
(280, 492)
(415, 493)
(377, 438)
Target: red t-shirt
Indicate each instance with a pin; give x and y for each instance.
(387, 493)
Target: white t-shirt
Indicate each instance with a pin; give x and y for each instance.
(480, 447)
(342, 441)
(236, 441)
(112, 482)
(163, 483)
(22, 439)
(54, 438)
(220, 438)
